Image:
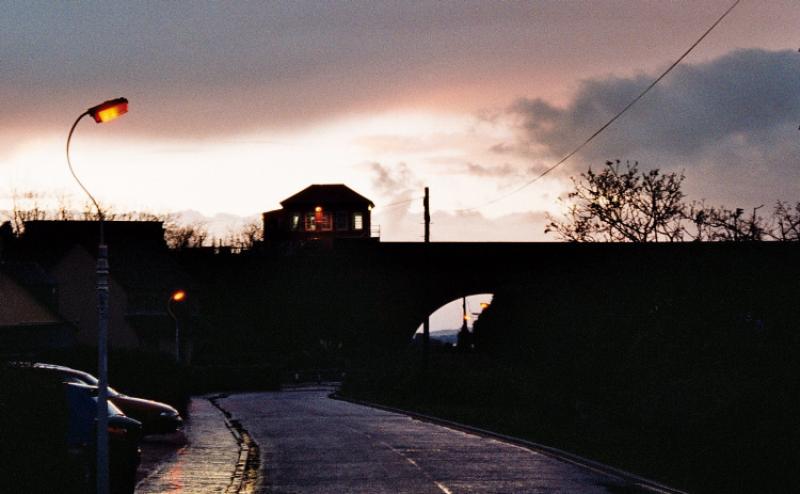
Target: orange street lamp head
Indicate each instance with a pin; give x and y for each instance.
(178, 296)
(109, 110)
(318, 209)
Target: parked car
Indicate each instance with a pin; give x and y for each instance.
(124, 434)
(48, 431)
(156, 417)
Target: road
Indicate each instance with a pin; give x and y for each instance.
(310, 443)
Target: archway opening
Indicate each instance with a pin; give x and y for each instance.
(447, 321)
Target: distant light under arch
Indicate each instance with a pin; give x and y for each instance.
(447, 318)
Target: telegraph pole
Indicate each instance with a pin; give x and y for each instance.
(426, 203)
(426, 325)
(463, 335)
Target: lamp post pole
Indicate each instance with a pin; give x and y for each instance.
(177, 296)
(103, 112)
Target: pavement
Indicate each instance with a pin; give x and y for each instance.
(204, 458)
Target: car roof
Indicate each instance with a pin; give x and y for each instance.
(85, 376)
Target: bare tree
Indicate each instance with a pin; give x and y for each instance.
(246, 237)
(727, 225)
(64, 210)
(141, 216)
(183, 236)
(26, 206)
(29, 206)
(621, 204)
(787, 222)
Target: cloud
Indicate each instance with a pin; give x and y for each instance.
(206, 69)
(731, 123)
(392, 180)
(209, 69)
(398, 185)
(504, 170)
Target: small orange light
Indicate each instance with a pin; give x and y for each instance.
(318, 209)
(179, 296)
(484, 305)
(118, 432)
(109, 110)
(466, 317)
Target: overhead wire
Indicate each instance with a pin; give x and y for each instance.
(399, 203)
(612, 120)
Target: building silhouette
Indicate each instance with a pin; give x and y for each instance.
(320, 213)
(143, 274)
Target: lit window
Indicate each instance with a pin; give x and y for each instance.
(358, 221)
(325, 221)
(341, 220)
(295, 225)
(310, 223)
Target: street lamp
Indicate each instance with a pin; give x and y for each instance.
(177, 296)
(104, 112)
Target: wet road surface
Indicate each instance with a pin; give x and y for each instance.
(310, 443)
(203, 463)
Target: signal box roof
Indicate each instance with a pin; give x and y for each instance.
(330, 195)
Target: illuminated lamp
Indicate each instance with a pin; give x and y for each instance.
(109, 110)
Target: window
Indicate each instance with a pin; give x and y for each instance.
(325, 221)
(295, 222)
(341, 220)
(310, 223)
(318, 221)
(358, 221)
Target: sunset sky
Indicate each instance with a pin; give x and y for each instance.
(234, 106)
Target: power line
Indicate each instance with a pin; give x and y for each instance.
(613, 119)
(399, 203)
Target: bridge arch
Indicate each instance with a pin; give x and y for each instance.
(446, 320)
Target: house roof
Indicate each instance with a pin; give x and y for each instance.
(138, 255)
(61, 235)
(21, 305)
(327, 194)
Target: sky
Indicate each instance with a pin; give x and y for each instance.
(235, 106)
(449, 316)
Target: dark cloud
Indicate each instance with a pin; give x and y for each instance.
(502, 148)
(203, 68)
(731, 123)
(504, 170)
(212, 68)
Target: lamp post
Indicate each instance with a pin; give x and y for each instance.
(104, 112)
(177, 296)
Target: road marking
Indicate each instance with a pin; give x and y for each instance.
(440, 485)
(416, 465)
(443, 487)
